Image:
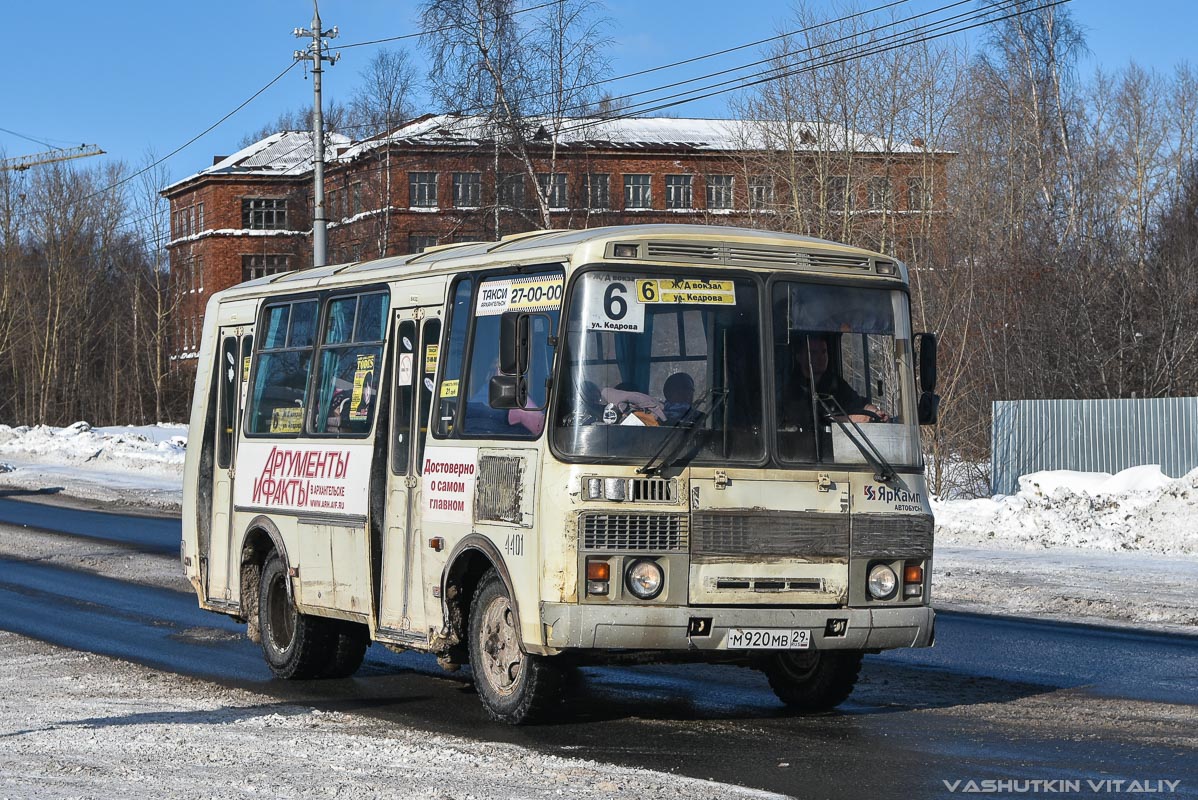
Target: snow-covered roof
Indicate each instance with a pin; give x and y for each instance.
(290, 152)
(641, 132)
(283, 153)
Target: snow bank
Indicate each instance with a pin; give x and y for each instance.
(1138, 509)
(149, 449)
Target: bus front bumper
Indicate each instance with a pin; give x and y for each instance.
(666, 627)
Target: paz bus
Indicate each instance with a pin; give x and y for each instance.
(661, 442)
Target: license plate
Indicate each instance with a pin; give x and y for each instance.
(768, 639)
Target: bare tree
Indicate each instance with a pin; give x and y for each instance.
(382, 102)
(524, 75)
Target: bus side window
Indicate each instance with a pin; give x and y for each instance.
(279, 395)
(407, 370)
(351, 354)
(430, 343)
(451, 368)
(230, 374)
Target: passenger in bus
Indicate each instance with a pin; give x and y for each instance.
(627, 406)
(679, 390)
(811, 362)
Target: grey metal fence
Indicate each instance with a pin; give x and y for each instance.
(1091, 436)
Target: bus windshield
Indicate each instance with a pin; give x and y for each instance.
(842, 392)
(649, 352)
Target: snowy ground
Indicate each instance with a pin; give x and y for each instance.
(128, 465)
(1093, 547)
(70, 722)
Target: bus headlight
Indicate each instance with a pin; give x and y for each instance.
(882, 582)
(645, 579)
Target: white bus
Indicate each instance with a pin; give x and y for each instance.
(569, 447)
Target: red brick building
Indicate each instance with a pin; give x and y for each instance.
(441, 179)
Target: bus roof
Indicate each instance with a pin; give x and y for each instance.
(691, 245)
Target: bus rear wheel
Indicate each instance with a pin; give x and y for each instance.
(813, 680)
(515, 687)
(297, 646)
(350, 641)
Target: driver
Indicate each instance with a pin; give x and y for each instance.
(811, 362)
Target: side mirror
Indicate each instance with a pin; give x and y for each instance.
(927, 344)
(507, 391)
(513, 343)
(928, 409)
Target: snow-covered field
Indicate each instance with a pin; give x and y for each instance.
(131, 465)
(1140, 509)
(1090, 546)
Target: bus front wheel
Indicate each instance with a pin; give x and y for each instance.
(813, 680)
(296, 645)
(515, 687)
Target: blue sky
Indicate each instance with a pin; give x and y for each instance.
(136, 76)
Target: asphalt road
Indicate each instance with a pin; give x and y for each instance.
(995, 699)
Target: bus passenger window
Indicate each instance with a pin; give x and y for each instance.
(230, 375)
(430, 344)
(407, 372)
(538, 296)
(278, 397)
(347, 381)
(451, 370)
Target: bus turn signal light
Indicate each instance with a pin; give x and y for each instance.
(913, 574)
(598, 571)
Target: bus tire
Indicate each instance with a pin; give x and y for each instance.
(515, 687)
(297, 646)
(813, 680)
(350, 643)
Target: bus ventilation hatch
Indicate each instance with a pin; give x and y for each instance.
(498, 495)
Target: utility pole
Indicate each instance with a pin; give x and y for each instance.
(318, 51)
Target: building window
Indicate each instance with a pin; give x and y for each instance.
(719, 191)
(918, 196)
(840, 195)
(879, 193)
(596, 188)
(355, 193)
(553, 189)
(467, 190)
(257, 266)
(511, 190)
(761, 192)
(680, 191)
(200, 218)
(330, 206)
(637, 193)
(197, 264)
(422, 189)
(264, 214)
(419, 242)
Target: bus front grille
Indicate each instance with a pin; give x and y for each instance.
(770, 533)
(892, 536)
(657, 532)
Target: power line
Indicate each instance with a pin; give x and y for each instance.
(704, 56)
(29, 138)
(445, 28)
(918, 35)
(197, 137)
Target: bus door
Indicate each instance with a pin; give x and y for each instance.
(233, 351)
(417, 334)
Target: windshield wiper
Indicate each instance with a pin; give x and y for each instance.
(884, 472)
(681, 435)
